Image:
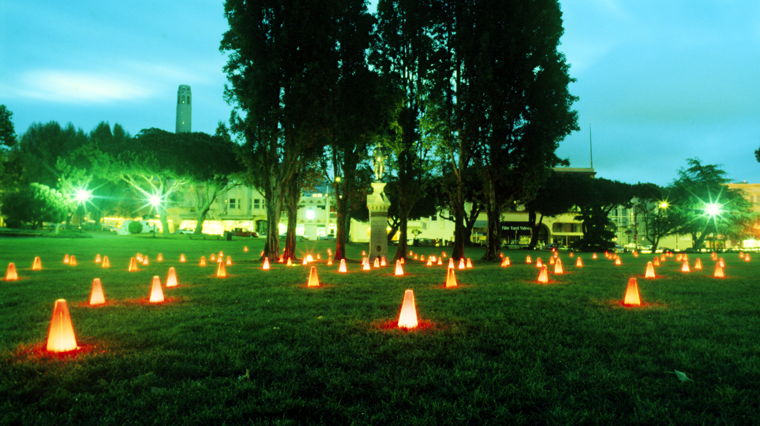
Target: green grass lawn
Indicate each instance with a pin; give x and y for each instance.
(259, 347)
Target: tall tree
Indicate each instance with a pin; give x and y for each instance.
(403, 53)
(515, 69)
(595, 199)
(281, 69)
(363, 108)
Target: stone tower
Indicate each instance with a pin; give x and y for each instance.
(184, 109)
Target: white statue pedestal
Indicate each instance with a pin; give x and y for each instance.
(378, 205)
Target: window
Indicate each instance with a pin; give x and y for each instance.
(257, 204)
(188, 100)
(232, 204)
(434, 217)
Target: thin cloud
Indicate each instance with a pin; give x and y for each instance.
(79, 87)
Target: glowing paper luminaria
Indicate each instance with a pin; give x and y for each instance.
(469, 262)
(656, 261)
(182, 258)
(451, 263)
(416, 257)
(245, 249)
(429, 262)
(156, 293)
(10, 273)
(440, 261)
(571, 254)
(408, 316)
(685, 266)
(722, 263)
(399, 269)
(579, 263)
(678, 257)
(505, 262)
(289, 262)
(132, 264)
(229, 261)
(329, 261)
(650, 271)
(662, 257)
(719, 271)
(96, 294)
(543, 276)
(212, 258)
(451, 278)
(365, 264)
(342, 268)
(376, 264)
(66, 259)
(171, 278)
(747, 258)
(97, 258)
(309, 258)
(618, 262)
(698, 264)
(539, 263)
(145, 261)
(160, 258)
(221, 271)
(37, 264)
(593, 256)
(632, 293)
(558, 267)
(73, 261)
(383, 262)
(528, 260)
(313, 278)
(106, 263)
(266, 264)
(203, 261)
(462, 265)
(551, 260)
(61, 336)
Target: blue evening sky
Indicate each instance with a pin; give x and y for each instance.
(659, 82)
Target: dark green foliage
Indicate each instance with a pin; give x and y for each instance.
(595, 199)
(34, 204)
(7, 132)
(700, 185)
(135, 227)
(555, 197)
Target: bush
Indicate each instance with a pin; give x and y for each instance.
(135, 227)
(34, 204)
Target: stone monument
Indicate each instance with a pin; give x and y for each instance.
(378, 204)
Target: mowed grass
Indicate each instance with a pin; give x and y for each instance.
(259, 347)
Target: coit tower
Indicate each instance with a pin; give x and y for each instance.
(184, 109)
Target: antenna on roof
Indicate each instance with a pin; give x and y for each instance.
(590, 148)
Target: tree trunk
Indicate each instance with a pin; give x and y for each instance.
(534, 228)
(401, 249)
(293, 196)
(199, 220)
(273, 199)
(493, 230)
(460, 231)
